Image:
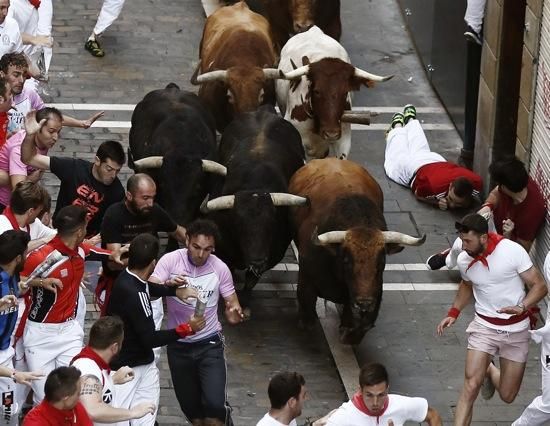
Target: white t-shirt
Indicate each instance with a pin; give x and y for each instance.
(10, 37)
(88, 367)
(499, 285)
(400, 410)
(36, 229)
(267, 420)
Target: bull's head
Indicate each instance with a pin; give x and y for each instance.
(303, 14)
(182, 182)
(361, 252)
(246, 86)
(331, 80)
(254, 219)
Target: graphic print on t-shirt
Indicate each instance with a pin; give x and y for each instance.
(206, 285)
(88, 198)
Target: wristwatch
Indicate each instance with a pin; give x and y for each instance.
(522, 306)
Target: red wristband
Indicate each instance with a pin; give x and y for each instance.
(453, 312)
(490, 205)
(184, 330)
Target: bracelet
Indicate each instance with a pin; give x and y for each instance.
(453, 313)
(522, 306)
(41, 282)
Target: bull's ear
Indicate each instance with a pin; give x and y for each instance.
(305, 60)
(357, 82)
(393, 248)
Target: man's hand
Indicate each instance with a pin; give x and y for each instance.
(446, 323)
(177, 281)
(123, 375)
(512, 310)
(31, 126)
(442, 204)
(7, 302)
(184, 293)
(507, 228)
(26, 377)
(197, 323)
(116, 255)
(234, 314)
(51, 284)
(42, 40)
(94, 241)
(486, 212)
(35, 176)
(86, 124)
(140, 410)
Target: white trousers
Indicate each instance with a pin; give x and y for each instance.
(108, 14)
(12, 396)
(407, 150)
(44, 27)
(81, 308)
(538, 412)
(48, 346)
(144, 388)
(158, 315)
(475, 10)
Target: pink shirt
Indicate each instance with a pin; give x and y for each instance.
(211, 280)
(26, 101)
(10, 161)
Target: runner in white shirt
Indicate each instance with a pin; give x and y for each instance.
(287, 393)
(494, 272)
(99, 383)
(372, 405)
(10, 36)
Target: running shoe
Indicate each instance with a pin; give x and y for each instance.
(397, 118)
(473, 36)
(488, 387)
(409, 113)
(437, 261)
(94, 48)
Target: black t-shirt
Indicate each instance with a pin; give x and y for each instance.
(120, 225)
(130, 301)
(79, 187)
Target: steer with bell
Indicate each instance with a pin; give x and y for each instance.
(173, 139)
(314, 94)
(342, 241)
(261, 152)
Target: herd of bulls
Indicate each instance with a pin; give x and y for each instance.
(255, 183)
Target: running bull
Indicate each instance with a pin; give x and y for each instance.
(173, 138)
(317, 98)
(237, 56)
(342, 241)
(261, 152)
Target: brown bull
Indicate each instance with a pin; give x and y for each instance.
(342, 240)
(236, 52)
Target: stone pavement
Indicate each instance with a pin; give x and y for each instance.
(156, 42)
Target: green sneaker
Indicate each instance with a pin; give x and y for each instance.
(409, 112)
(94, 48)
(397, 118)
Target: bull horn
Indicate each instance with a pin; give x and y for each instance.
(364, 74)
(271, 73)
(221, 203)
(217, 75)
(404, 239)
(331, 237)
(154, 162)
(213, 167)
(362, 117)
(294, 74)
(282, 199)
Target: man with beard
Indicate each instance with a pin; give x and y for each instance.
(494, 272)
(136, 214)
(98, 391)
(13, 250)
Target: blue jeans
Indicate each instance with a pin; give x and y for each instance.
(199, 374)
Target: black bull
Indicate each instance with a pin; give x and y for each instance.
(172, 135)
(261, 152)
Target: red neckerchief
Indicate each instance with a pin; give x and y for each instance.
(88, 352)
(492, 240)
(11, 217)
(357, 400)
(60, 246)
(35, 3)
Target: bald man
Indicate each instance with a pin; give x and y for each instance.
(136, 214)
